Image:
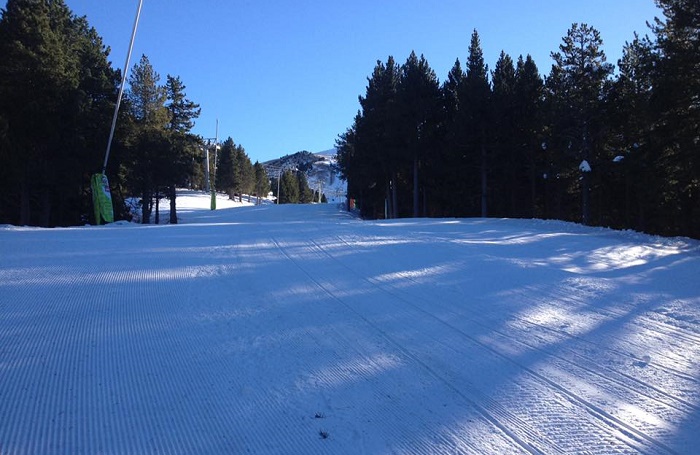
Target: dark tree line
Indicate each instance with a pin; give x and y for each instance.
(236, 175)
(293, 187)
(583, 143)
(57, 96)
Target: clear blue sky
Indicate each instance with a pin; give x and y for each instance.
(283, 76)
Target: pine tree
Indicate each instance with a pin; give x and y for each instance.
(56, 89)
(247, 176)
(418, 99)
(506, 184)
(184, 145)
(242, 173)
(151, 152)
(676, 82)
(453, 145)
(370, 152)
(529, 125)
(475, 116)
(225, 166)
(262, 182)
(306, 196)
(289, 188)
(581, 73)
(635, 180)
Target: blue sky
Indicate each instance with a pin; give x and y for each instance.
(283, 76)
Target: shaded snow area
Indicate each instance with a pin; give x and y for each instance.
(302, 330)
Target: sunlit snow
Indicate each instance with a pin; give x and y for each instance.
(300, 329)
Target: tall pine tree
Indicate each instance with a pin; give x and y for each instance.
(506, 170)
(184, 145)
(581, 71)
(475, 115)
(529, 128)
(151, 152)
(676, 81)
(418, 98)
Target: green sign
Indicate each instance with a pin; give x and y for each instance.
(102, 199)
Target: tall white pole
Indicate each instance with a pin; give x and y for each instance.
(279, 177)
(206, 166)
(216, 148)
(216, 156)
(121, 88)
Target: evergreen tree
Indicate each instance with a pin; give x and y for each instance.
(418, 98)
(506, 170)
(451, 89)
(305, 194)
(379, 138)
(450, 179)
(370, 152)
(529, 127)
(289, 188)
(676, 99)
(262, 182)
(147, 98)
(247, 176)
(243, 178)
(225, 166)
(581, 72)
(633, 198)
(475, 117)
(56, 90)
(184, 145)
(151, 152)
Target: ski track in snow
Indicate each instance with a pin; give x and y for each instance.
(299, 329)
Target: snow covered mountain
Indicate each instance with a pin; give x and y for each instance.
(320, 168)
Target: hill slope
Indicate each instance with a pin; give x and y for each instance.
(320, 168)
(299, 329)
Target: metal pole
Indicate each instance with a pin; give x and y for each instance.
(121, 88)
(279, 177)
(206, 166)
(216, 156)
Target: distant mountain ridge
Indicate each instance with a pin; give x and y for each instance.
(320, 168)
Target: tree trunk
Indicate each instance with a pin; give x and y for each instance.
(484, 180)
(388, 202)
(146, 207)
(415, 187)
(173, 204)
(586, 180)
(24, 204)
(45, 207)
(158, 207)
(533, 189)
(586, 198)
(394, 196)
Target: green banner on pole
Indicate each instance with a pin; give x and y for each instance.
(102, 199)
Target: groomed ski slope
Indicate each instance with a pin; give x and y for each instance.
(302, 330)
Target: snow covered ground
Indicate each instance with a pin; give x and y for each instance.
(302, 330)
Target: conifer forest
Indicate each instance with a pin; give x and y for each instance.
(587, 141)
